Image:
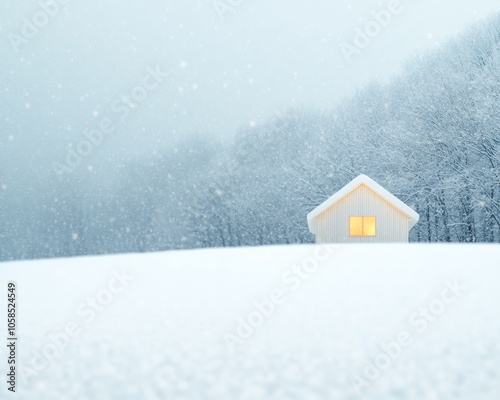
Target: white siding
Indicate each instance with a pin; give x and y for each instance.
(332, 226)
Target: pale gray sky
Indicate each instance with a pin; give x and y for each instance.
(264, 56)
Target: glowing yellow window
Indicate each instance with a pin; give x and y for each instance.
(362, 226)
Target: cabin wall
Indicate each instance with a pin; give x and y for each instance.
(332, 226)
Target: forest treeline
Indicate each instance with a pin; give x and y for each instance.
(431, 136)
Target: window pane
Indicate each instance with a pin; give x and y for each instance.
(369, 226)
(356, 226)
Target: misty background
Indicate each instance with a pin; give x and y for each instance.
(259, 118)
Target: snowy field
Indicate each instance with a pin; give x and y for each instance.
(290, 322)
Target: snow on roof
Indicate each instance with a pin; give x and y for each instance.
(365, 180)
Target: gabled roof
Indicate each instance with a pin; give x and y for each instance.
(370, 183)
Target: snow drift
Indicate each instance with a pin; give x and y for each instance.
(288, 322)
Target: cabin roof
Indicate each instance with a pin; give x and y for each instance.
(370, 183)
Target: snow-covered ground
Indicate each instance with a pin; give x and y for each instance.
(347, 322)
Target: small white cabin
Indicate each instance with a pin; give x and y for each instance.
(362, 212)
